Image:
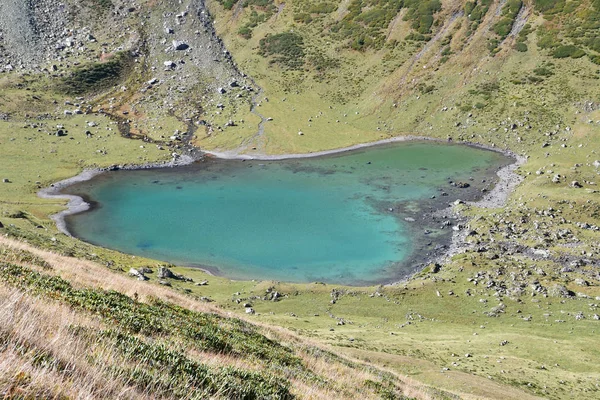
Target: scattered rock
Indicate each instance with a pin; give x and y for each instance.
(559, 291)
(581, 282)
(556, 178)
(180, 45)
(138, 274)
(166, 273)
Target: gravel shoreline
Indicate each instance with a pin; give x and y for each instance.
(496, 198)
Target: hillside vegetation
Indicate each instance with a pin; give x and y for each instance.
(105, 83)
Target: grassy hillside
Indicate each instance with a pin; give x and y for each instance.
(512, 317)
(133, 340)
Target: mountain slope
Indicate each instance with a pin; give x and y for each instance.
(104, 83)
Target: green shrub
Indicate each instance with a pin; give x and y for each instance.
(469, 7)
(594, 58)
(549, 6)
(421, 14)
(509, 12)
(245, 32)
(304, 18)
(258, 3)
(365, 24)
(322, 8)
(543, 71)
(417, 37)
(97, 76)
(525, 32)
(594, 44)
(285, 48)
(520, 46)
(568, 51)
(228, 4)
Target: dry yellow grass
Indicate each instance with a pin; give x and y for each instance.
(87, 273)
(45, 326)
(31, 326)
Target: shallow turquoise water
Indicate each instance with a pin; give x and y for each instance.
(334, 219)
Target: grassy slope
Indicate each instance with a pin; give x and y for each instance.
(442, 328)
(145, 339)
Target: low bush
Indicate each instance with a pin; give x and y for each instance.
(97, 76)
(568, 51)
(285, 49)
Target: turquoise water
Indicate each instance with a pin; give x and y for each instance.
(338, 219)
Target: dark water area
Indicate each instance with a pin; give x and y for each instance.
(358, 218)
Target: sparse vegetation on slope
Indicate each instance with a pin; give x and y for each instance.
(148, 347)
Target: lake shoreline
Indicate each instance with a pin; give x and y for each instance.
(77, 204)
(497, 197)
(508, 180)
(233, 155)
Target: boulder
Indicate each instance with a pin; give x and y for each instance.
(138, 274)
(581, 282)
(179, 45)
(164, 273)
(556, 178)
(559, 291)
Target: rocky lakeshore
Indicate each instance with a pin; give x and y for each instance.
(433, 222)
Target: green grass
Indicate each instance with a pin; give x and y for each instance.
(97, 76)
